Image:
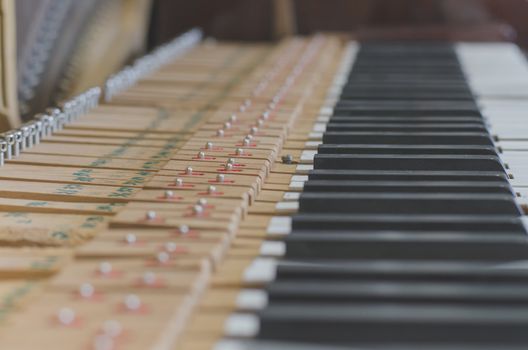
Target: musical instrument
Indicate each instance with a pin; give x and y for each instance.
(313, 194)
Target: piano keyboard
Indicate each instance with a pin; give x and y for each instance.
(311, 194)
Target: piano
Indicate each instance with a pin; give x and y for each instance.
(324, 191)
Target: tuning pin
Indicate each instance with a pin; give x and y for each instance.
(239, 152)
(221, 177)
(130, 238)
(151, 215)
(179, 182)
(66, 316)
(169, 195)
(209, 145)
(105, 268)
(86, 290)
(3, 151)
(132, 302)
(220, 133)
(9, 138)
(211, 189)
(184, 229)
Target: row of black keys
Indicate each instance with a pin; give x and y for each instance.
(408, 227)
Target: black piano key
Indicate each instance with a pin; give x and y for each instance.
(358, 127)
(428, 271)
(393, 323)
(415, 292)
(407, 138)
(407, 149)
(407, 186)
(408, 246)
(364, 222)
(408, 203)
(407, 175)
(408, 162)
(422, 120)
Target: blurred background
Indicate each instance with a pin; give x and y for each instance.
(59, 48)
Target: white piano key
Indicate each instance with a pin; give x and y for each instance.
(296, 185)
(312, 144)
(307, 157)
(303, 169)
(299, 178)
(274, 249)
(315, 135)
(326, 111)
(279, 225)
(252, 299)
(242, 325)
(319, 127)
(289, 207)
(261, 270)
(291, 196)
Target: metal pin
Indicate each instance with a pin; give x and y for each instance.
(220, 133)
(112, 328)
(253, 130)
(227, 125)
(18, 143)
(184, 229)
(260, 122)
(131, 238)
(239, 151)
(201, 155)
(231, 161)
(189, 170)
(171, 247)
(3, 151)
(221, 177)
(86, 290)
(228, 167)
(179, 182)
(38, 132)
(105, 268)
(233, 118)
(202, 202)
(132, 302)
(265, 115)
(198, 209)
(169, 194)
(10, 139)
(211, 189)
(246, 142)
(209, 145)
(149, 278)
(163, 257)
(66, 316)
(26, 131)
(151, 215)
